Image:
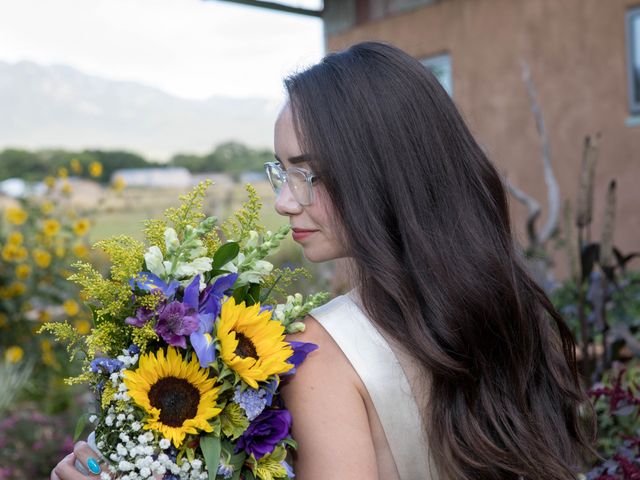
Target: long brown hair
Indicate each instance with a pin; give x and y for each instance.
(426, 221)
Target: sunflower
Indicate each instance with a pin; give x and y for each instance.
(179, 397)
(251, 343)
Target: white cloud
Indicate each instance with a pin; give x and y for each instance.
(190, 48)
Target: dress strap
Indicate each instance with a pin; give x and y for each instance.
(383, 376)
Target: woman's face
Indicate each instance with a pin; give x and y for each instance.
(313, 225)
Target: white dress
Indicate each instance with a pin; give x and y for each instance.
(385, 372)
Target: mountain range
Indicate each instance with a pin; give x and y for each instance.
(58, 106)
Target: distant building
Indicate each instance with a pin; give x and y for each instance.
(584, 59)
(17, 188)
(252, 177)
(216, 177)
(173, 177)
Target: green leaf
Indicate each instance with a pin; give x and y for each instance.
(82, 422)
(253, 295)
(191, 454)
(233, 420)
(210, 447)
(225, 254)
(240, 294)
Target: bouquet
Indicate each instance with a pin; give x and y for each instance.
(188, 348)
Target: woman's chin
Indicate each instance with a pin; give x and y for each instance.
(316, 255)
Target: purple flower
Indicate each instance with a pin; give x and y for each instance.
(143, 315)
(106, 365)
(177, 320)
(212, 295)
(153, 282)
(288, 468)
(204, 347)
(207, 304)
(265, 432)
(300, 352)
(252, 401)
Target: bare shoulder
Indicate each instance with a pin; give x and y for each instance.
(330, 420)
(326, 364)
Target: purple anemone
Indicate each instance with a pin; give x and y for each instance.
(265, 432)
(176, 321)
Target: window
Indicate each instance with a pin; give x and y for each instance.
(440, 66)
(633, 59)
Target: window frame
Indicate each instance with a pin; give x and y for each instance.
(437, 60)
(633, 96)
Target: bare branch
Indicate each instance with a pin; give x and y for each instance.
(533, 208)
(553, 191)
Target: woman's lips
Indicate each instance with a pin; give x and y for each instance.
(300, 233)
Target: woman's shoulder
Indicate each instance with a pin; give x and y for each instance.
(328, 411)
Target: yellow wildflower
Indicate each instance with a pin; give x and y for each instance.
(41, 257)
(81, 227)
(46, 207)
(15, 238)
(71, 307)
(51, 227)
(50, 181)
(13, 354)
(17, 288)
(63, 172)
(118, 184)
(83, 327)
(66, 188)
(47, 354)
(80, 250)
(14, 253)
(16, 215)
(23, 271)
(95, 169)
(76, 167)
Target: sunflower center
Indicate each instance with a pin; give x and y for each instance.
(176, 398)
(245, 347)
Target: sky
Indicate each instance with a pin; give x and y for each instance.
(189, 48)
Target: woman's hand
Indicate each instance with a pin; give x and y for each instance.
(66, 469)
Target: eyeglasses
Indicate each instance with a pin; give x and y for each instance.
(300, 181)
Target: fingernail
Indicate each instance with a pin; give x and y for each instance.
(93, 466)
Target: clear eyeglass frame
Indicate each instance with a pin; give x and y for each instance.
(300, 181)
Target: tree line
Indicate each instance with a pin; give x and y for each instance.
(231, 157)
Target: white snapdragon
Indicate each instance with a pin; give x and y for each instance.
(155, 261)
(171, 241)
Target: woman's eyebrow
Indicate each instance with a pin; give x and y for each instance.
(297, 159)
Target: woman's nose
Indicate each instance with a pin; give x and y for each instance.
(285, 203)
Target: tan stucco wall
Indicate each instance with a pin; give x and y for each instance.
(577, 56)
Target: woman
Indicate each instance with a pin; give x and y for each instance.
(446, 360)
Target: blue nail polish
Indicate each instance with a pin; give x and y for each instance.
(93, 466)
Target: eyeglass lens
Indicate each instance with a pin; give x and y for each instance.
(300, 188)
